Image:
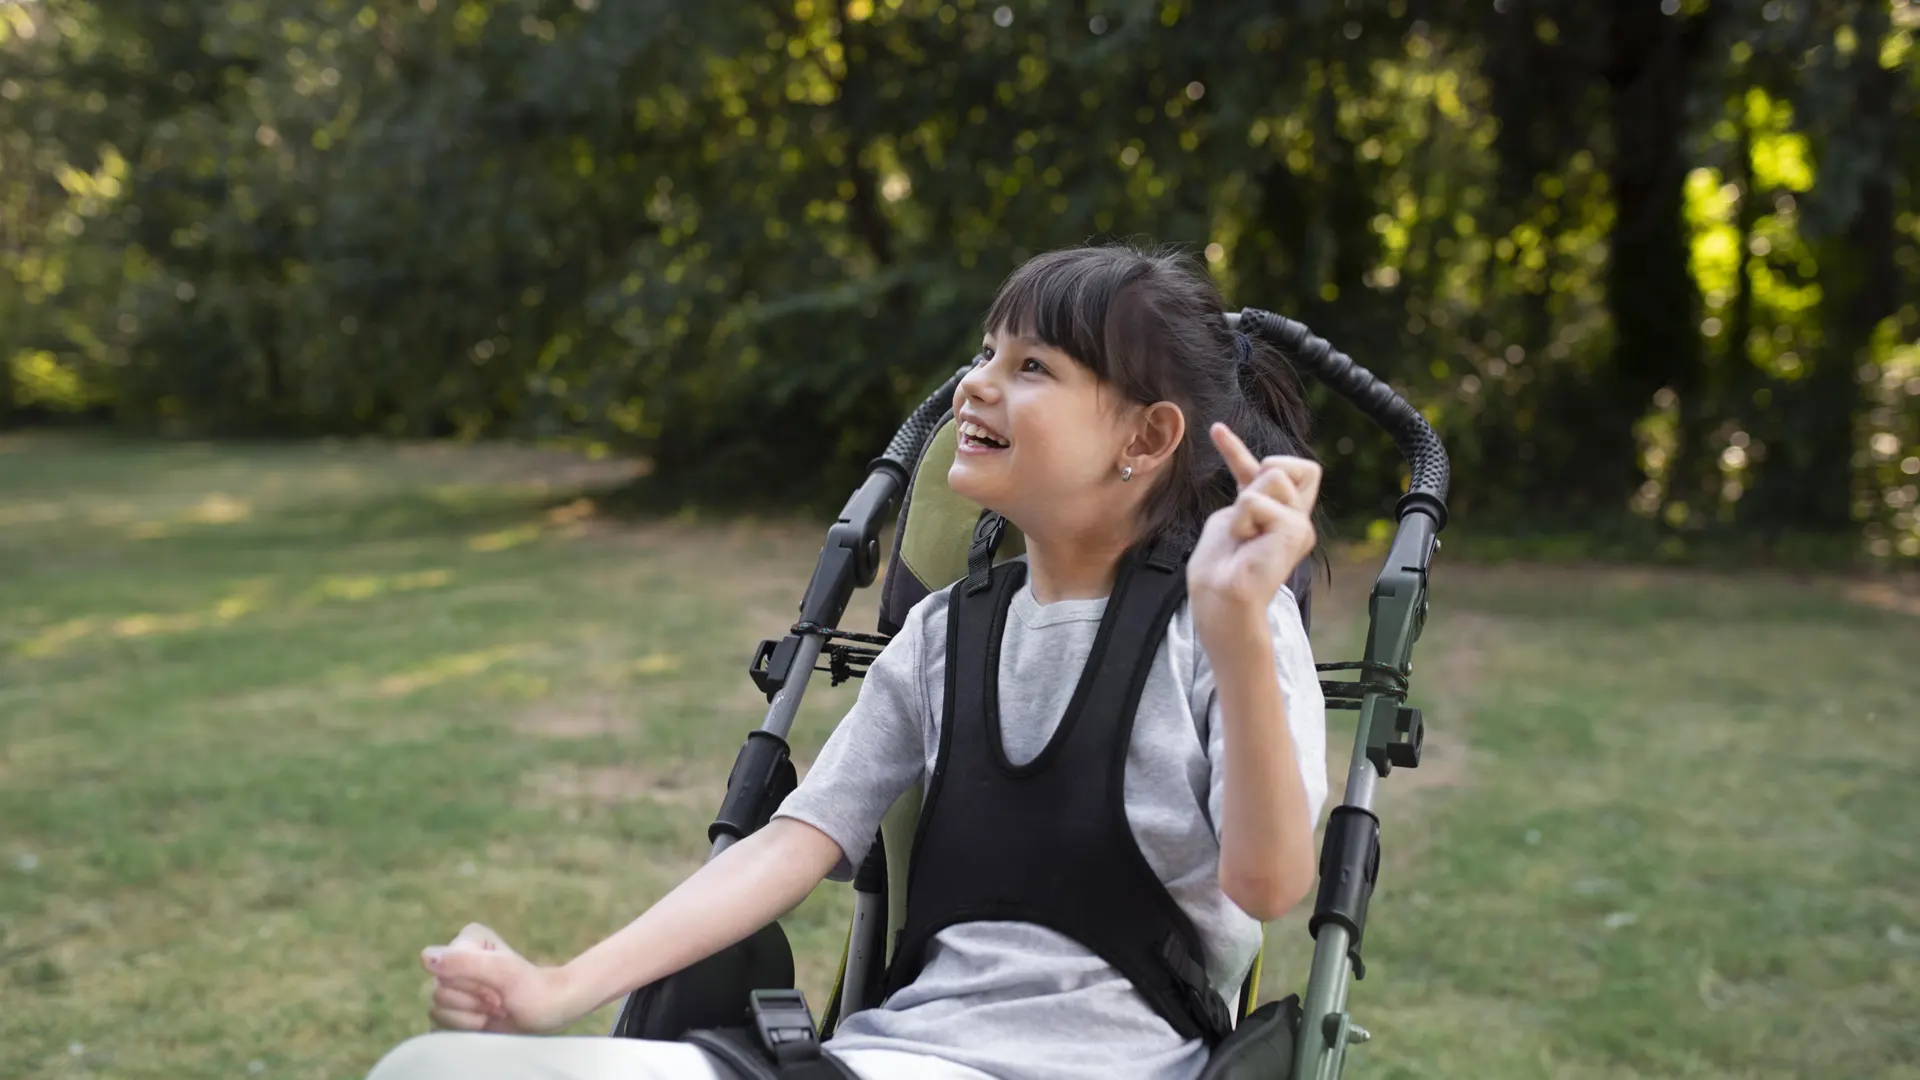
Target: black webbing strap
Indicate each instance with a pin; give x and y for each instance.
(782, 1044)
(987, 533)
(737, 1051)
(1205, 1006)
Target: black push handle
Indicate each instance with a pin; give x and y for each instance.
(850, 558)
(903, 453)
(1426, 457)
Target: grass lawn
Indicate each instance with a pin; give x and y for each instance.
(274, 717)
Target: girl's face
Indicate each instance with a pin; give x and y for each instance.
(1041, 440)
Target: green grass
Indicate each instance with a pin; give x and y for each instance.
(273, 717)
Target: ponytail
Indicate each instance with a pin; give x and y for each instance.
(1270, 388)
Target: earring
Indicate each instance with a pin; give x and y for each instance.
(1126, 473)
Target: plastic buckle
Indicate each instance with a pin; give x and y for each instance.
(785, 1025)
(987, 529)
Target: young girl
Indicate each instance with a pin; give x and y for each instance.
(1112, 405)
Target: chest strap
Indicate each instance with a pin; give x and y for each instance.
(1048, 842)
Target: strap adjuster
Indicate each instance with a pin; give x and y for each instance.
(988, 530)
(785, 1025)
(1196, 992)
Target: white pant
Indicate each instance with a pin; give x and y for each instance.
(462, 1055)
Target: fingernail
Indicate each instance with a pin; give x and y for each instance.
(432, 954)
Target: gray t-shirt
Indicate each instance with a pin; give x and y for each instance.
(1015, 1000)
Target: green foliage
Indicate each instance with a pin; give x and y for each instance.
(1625, 258)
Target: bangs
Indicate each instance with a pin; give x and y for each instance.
(1063, 299)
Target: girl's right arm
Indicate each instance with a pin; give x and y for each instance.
(873, 755)
(481, 984)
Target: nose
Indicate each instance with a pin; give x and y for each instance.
(976, 385)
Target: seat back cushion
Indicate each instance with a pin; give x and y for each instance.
(935, 528)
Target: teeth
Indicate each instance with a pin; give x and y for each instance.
(974, 430)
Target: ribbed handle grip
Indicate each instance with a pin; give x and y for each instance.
(1426, 457)
(912, 437)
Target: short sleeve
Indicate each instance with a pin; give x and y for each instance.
(877, 751)
(1299, 690)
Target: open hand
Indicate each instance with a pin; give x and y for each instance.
(481, 984)
(1250, 547)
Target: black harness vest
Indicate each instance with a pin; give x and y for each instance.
(1048, 842)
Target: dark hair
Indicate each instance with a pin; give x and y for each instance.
(1153, 326)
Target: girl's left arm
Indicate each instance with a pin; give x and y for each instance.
(1245, 554)
(1266, 831)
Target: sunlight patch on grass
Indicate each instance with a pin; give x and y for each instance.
(448, 668)
(246, 597)
(569, 520)
(657, 663)
(502, 539)
(368, 586)
(216, 508)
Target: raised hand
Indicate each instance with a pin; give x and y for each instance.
(1250, 547)
(481, 984)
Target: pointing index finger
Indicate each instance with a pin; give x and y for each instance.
(1240, 460)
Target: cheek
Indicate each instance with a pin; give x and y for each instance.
(1064, 458)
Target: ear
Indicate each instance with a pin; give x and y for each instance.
(1157, 432)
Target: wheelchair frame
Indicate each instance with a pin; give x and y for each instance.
(1388, 734)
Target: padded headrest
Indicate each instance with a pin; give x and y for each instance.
(934, 531)
(940, 526)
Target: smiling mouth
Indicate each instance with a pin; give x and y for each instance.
(979, 438)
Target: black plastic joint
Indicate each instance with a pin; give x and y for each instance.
(892, 467)
(1424, 502)
(1400, 747)
(1349, 866)
(772, 664)
(834, 578)
(762, 777)
(1410, 733)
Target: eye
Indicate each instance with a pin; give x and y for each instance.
(1030, 364)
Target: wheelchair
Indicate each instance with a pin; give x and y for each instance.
(740, 1004)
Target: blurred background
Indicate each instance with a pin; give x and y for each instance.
(1638, 261)
(412, 412)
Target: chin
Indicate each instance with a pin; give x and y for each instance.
(967, 484)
